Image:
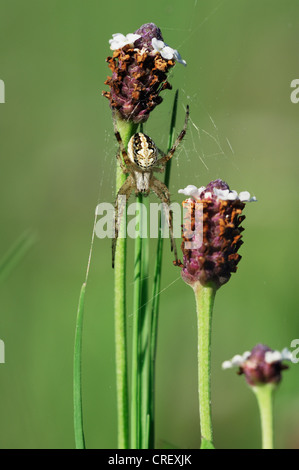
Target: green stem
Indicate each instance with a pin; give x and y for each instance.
(136, 347)
(205, 297)
(264, 395)
(126, 130)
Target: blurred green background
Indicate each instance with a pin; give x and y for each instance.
(58, 161)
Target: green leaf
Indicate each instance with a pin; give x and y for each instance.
(78, 414)
(205, 444)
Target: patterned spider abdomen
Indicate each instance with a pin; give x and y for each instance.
(142, 151)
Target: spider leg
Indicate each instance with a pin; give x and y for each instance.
(121, 164)
(180, 137)
(161, 190)
(125, 190)
(158, 169)
(127, 161)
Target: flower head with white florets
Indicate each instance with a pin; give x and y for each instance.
(139, 65)
(260, 366)
(216, 257)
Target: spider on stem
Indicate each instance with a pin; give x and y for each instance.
(139, 163)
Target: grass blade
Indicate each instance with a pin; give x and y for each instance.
(157, 283)
(78, 414)
(145, 335)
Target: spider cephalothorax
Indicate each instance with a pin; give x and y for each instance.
(139, 163)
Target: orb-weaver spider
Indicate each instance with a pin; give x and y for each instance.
(140, 162)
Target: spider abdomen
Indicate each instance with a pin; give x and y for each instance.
(142, 151)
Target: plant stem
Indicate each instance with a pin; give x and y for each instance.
(136, 348)
(126, 130)
(264, 395)
(205, 297)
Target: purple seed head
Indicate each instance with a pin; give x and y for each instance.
(259, 371)
(217, 257)
(138, 76)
